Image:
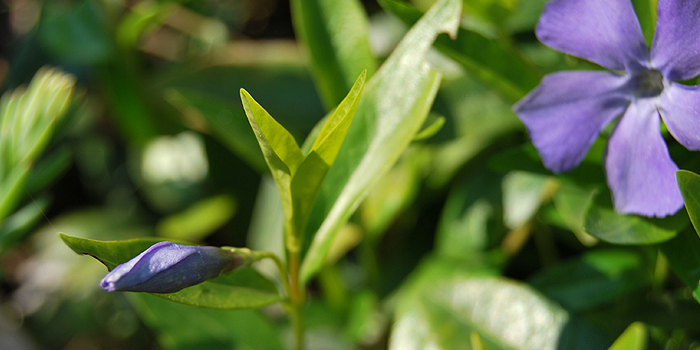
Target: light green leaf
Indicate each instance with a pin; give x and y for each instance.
(388, 118)
(605, 224)
(308, 178)
(244, 288)
(689, 184)
(27, 121)
(280, 150)
(490, 61)
(181, 327)
(633, 338)
(336, 35)
(431, 129)
(441, 310)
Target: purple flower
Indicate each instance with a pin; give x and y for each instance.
(565, 114)
(167, 267)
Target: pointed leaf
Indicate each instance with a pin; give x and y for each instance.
(280, 150)
(683, 255)
(633, 338)
(308, 178)
(689, 184)
(490, 61)
(244, 288)
(605, 224)
(388, 118)
(336, 35)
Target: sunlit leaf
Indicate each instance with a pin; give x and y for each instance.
(633, 338)
(242, 289)
(27, 121)
(442, 310)
(387, 120)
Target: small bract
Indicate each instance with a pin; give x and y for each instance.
(167, 267)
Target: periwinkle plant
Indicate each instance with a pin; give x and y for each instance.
(565, 114)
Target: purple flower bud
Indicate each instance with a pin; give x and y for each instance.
(167, 267)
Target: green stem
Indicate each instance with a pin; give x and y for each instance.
(298, 294)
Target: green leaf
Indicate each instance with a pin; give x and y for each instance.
(242, 289)
(440, 310)
(199, 220)
(523, 194)
(599, 277)
(308, 178)
(27, 121)
(605, 224)
(388, 118)
(633, 338)
(490, 61)
(280, 150)
(689, 184)
(181, 327)
(683, 255)
(336, 35)
(21, 222)
(431, 129)
(76, 32)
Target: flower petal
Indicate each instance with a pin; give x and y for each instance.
(675, 48)
(606, 32)
(679, 106)
(640, 172)
(567, 111)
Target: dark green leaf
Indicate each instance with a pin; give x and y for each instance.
(181, 327)
(683, 255)
(336, 35)
(76, 33)
(604, 223)
(599, 277)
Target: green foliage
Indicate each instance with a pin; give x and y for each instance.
(335, 33)
(244, 288)
(633, 338)
(298, 177)
(446, 305)
(402, 209)
(388, 119)
(27, 121)
(495, 64)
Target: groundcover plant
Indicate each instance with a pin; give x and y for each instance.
(346, 174)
